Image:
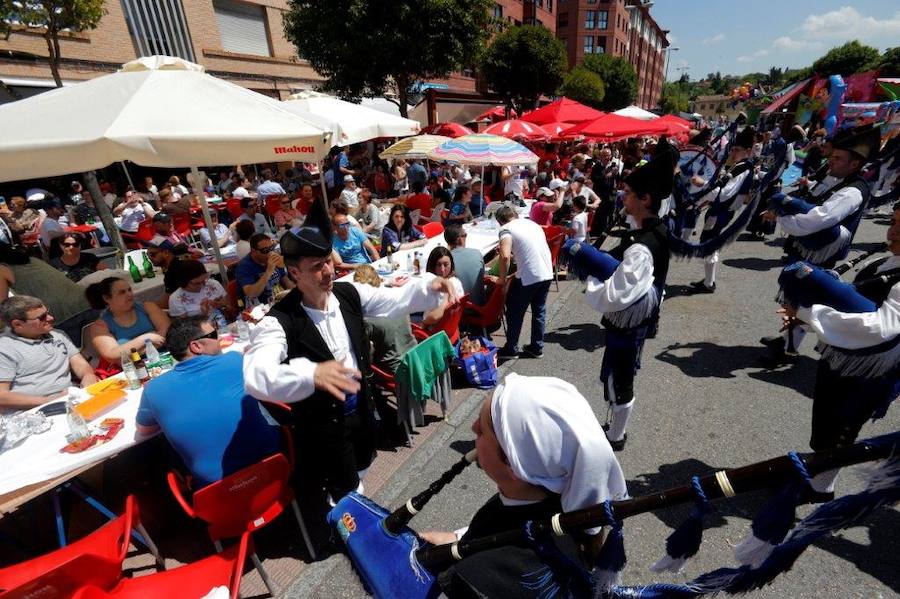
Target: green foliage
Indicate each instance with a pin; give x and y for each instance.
(617, 75)
(888, 64)
(521, 63)
(369, 47)
(717, 83)
(850, 58)
(674, 99)
(53, 16)
(584, 86)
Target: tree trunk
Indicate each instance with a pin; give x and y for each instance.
(53, 54)
(402, 81)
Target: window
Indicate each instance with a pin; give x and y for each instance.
(539, 3)
(242, 27)
(549, 5)
(159, 27)
(600, 48)
(590, 19)
(603, 19)
(498, 11)
(589, 44)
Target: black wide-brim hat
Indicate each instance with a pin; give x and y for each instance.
(655, 178)
(746, 137)
(313, 239)
(864, 141)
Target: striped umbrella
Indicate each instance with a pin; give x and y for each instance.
(416, 146)
(483, 150)
(518, 130)
(447, 129)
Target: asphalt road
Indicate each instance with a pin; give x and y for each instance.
(703, 403)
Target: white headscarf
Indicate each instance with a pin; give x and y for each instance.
(552, 438)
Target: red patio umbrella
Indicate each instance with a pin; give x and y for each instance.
(562, 110)
(671, 118)
(495, 114)
(612, 127)
(518, 130)
(555, 129)
(447, 130)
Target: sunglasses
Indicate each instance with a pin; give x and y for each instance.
(344, 226)
(266, 250)
(43, 317)
(213, 334)
(69, 244)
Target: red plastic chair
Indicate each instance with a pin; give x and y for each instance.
(384, 379)
(234, 207)
(273, 204)
(245, 501)
(449, 324)
(432, 229)
(488, 315)
(555, 245)
(143, 235)
(95, 559)
(191, 580)
(182, 224)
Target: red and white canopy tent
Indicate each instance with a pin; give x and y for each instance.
(563, 110)
(518, 130)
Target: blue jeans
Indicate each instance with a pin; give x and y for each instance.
(518, 299)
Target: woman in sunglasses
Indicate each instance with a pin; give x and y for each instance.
(74, 263)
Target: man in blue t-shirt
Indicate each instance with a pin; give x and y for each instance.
(202, 409)
(258, 272)
(416, 172)
(351, 244)
(341, 166)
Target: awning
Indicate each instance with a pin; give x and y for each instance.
(786, 96)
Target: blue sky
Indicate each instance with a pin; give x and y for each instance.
(742, 37)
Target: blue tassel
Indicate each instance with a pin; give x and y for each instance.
(611, 559)
(684, 542)
(774, 521)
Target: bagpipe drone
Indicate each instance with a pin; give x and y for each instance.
(393, 564)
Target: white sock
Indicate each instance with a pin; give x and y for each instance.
(799, 334)
(620, 416)
(824, 482)
(686, 233)
(709, 267)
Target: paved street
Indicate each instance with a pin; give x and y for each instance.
(703, 403)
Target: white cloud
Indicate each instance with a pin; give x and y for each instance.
(846, 23)
(790, 43)
(754, 56)
(714, 39)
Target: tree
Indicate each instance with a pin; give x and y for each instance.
(674, 99)
(850, 58)
(717, 83)
(522, 63)
(889, 63)
(617, 75)
(584, 86)
(775, 76)
(54, 17)
(368, 47)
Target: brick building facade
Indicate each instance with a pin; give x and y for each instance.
(620, 27)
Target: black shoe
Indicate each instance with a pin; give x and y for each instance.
(533, 352)
(810, 496)
(774, 358)
(700, 287)
(505, 354)
(616, 445)
(773, 342)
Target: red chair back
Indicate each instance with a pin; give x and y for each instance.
(449, 323)
(384, 379)
(182, 224)
(234, 207)
(191, 580)
(432, 229)
(95, 559)
(232, 291)
(487, 315)
(243, 501)
(555, 244)
(551, 231)
(273, 204)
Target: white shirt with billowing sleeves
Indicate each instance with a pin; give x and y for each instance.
(835, 209)
(729, 190)
(267, 378)
(629, 283)
(857, 330)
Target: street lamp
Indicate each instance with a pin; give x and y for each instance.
(669, 50)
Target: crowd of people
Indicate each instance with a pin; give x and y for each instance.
(314, 347)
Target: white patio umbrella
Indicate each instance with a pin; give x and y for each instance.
(636, 112)
(156, 111)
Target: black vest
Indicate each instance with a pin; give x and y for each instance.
(655, 235)
(876, 285)
(304, 341)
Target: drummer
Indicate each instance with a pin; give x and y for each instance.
(539, 441)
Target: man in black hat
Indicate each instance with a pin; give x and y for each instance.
(630, 298)
(841, 199)
(724, 199)
(311, 349)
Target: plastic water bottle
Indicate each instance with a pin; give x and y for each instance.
(130, 371)
(150, 353)
(243, 330)
(409, 262)
(78, 428)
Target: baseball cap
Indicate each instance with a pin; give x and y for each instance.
(545, 191)
(162, 217)
(348, 178)
(557, 183)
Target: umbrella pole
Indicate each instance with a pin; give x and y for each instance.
(204, 208)
(322, 183)
(106, 217)
(128, 176)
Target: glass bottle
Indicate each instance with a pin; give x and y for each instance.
(140, 367)
(148, 267)
(130, 373)
(133, 270)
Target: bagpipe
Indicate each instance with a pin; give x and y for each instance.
(819, 246)
(804, 285)
(685, 204)
(394, 564)
(584, 260)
